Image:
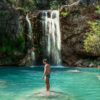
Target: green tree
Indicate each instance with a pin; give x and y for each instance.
(92, 41)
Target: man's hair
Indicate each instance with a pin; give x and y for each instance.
(45, 60)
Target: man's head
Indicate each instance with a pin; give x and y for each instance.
(44, 61)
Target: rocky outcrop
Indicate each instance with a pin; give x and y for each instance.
(73, 27)
(9, 21)
(10, 39)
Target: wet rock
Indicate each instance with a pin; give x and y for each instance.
(85, 64)
(91, 65)
(79, 65)
(79, 62)
(98, 66)
(98, 58)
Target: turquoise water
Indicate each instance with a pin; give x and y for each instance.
(25, 83)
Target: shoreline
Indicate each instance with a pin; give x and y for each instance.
(34, 66)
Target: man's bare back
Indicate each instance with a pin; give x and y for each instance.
(48, 69)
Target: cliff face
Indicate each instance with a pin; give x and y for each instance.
(11, 38)
(16, 47)
(73, 27)
(9, 20)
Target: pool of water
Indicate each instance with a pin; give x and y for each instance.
(26, 83)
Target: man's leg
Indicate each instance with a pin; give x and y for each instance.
(47, 84)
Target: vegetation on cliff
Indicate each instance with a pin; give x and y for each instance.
(92, 41)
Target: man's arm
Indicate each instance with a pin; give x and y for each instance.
(45, 70)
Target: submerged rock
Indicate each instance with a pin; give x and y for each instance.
(98, 77)
(42, 94)
(3, 82)
(73, 71)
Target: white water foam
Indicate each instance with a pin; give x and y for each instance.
(52, 36)
(30, 35)
(29, 27)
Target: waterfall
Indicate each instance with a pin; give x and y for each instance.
(30, 36)
(51, 36)
(29, 27)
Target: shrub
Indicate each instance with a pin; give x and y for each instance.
(9, 46)
(92, 41)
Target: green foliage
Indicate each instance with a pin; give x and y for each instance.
(54, 4)
(9, 59)
(98, 7)
(3, 12)
(65, 13)
(10, 46)
(28, 5)
(92, 41)
(25, 4)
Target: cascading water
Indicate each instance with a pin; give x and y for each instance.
(30, 36)
(52, 36)
(29, 27)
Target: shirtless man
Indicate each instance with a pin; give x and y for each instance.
(47, 71)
